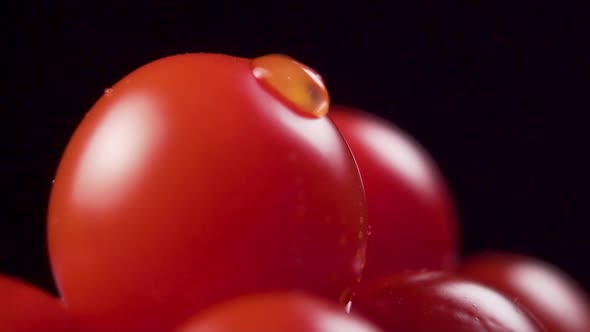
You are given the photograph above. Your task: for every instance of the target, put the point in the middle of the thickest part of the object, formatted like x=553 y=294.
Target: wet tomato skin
x=188 y=183
x=412 y=215
x=25 y=308
x=426 y=301
x=546 y=292
x=285 y=312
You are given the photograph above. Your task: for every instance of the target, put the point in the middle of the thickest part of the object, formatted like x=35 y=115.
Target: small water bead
x=293 y=82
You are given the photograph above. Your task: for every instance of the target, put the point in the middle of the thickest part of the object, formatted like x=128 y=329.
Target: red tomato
x=436 y=301
x=278 y=312
x=25 y=308
x=557 y=302
x=411 y=214
x=201 y=177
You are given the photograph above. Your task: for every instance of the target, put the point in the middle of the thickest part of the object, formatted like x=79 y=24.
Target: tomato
x=25 y=308
x=201 y=177
x=546 y=292
x=285 y=312
x=426 y=301
x=411 y=212
x=437 y=301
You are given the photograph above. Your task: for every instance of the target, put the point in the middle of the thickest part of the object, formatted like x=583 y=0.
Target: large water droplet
x=292 y=82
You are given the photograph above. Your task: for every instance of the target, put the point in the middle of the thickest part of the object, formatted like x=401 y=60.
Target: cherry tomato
x=284 y=312
x=436 y=301
x=411 y=214
x=551 y=296
x=25 y=308
x=201 y=177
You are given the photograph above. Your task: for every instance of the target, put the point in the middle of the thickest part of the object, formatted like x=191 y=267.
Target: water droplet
x=369 y=230
x=293 y=82
x=108 y=92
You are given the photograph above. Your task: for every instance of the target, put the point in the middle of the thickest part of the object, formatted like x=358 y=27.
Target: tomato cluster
x=210 y=193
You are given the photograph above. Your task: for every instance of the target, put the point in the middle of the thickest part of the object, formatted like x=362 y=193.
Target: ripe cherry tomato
x=411 y=214
x=284 y=312
x=437 y=301
x=547 y=293
x=25 y=308
x=201 y=177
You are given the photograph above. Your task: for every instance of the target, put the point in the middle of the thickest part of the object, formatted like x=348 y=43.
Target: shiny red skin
x=438 y=302
x=412 y=215
x=25 y=308
x=278 y=312
x=189 y=183
x=546 y=292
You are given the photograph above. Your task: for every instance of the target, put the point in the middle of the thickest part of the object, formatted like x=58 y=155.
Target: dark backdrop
x=496 y=93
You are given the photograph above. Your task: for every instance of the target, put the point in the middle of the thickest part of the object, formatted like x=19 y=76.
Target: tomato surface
x=197 y=178
x=284 y=312
x=546 y=292
x=437 y=301
x=25 y=308
x=411 y=212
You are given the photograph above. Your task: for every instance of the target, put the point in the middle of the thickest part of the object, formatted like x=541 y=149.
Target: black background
x=497 y=93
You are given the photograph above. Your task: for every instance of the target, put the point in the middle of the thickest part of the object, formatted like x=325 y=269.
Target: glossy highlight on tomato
x=25 y=308
x=284 y=312
x=192 y=181
x=546 y=292
x=413 y=218
x=424 y=301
